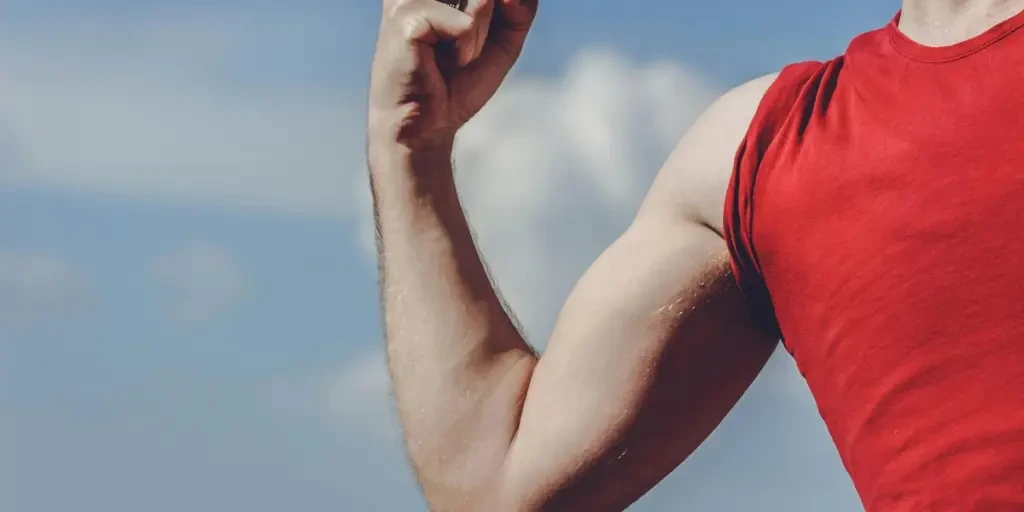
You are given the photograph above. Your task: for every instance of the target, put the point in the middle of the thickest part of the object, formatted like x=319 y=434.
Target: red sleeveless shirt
x=876 y=223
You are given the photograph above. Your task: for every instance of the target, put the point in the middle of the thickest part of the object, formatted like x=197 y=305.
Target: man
x=880 y=244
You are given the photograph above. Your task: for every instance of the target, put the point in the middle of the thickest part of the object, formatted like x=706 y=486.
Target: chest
x=888 y=215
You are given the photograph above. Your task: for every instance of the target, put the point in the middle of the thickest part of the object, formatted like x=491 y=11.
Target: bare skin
x=653 y=347
x=947 y=22
x=651 y=350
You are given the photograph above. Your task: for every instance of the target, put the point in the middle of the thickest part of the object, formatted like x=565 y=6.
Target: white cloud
x=354 y=396
x=149 y=110
x=551 y=169
x=200 y=280
x=360 y=395
x=38 y=286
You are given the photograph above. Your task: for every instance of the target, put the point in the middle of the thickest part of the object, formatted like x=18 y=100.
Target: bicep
x=650 y=353
x=655 y=344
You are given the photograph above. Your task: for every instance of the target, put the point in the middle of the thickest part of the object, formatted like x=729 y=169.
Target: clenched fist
x=435 y=66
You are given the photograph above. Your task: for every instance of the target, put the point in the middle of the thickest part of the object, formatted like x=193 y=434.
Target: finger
x=482 y=12
x=512 y=22
x=431 y=22
x=510 y=25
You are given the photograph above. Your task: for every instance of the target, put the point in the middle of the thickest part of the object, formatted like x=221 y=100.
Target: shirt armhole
x=775 y=107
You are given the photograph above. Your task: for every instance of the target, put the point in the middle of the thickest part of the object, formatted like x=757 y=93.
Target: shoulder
x=695 y=178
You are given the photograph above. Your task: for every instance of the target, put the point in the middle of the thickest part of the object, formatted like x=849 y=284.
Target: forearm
x=650 y=352
x=459 y=366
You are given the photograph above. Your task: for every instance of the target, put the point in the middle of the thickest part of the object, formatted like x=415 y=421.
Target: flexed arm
x=652 y=349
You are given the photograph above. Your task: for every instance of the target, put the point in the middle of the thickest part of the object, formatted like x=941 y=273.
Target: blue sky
x=188 y=314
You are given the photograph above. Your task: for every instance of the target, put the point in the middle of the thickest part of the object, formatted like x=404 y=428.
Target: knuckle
x=474 y=7
x=399 y=8
x=414 y=27
x=408 y=19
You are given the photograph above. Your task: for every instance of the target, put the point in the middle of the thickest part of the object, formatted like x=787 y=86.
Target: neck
x=946 y=22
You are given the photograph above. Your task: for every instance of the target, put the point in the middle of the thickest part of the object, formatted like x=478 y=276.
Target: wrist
x=422 y=169
x=385 y=154
x=388 y=141
x=392 y=133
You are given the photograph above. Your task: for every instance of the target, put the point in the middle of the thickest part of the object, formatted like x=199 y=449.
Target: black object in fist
x=456 y=4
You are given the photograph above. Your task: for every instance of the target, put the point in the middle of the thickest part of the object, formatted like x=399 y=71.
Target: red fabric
x=876 y=222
